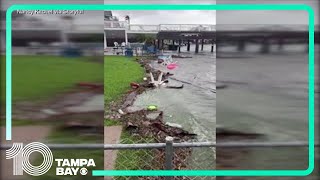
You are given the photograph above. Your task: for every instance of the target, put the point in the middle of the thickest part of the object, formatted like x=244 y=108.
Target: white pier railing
x=115 y=24
x=187 y=27
x=144 y=28
x=156 y=28
x=110 y=25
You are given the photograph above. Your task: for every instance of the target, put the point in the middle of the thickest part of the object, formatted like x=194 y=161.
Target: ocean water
x=193 y=107
x=266 y=94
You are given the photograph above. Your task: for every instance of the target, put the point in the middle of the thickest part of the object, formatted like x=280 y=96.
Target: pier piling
x=280 y=44
x=265 y=46
x=158 y=43
x=197 y=46
x=212 y=46
x=202 y=43
x=162 y=44
x=241 y=46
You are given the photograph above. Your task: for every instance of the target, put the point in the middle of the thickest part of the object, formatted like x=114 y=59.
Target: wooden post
x=212 y=46
x=202 y=42
x=188 y=47
x=280 y=44
x=241 y=46
x=265 y=46
x=162 y=43
x=179 y=48
x=197 y=46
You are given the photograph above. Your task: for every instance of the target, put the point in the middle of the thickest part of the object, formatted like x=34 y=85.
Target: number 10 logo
x=21 y=158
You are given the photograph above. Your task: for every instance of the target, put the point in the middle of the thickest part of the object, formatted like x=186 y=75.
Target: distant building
x=114 y=30
x=109 y=17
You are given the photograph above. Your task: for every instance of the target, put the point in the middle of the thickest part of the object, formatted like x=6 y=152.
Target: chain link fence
x=146 y=155
x=181 y=156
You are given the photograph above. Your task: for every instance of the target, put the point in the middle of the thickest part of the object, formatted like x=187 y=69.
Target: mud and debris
x=142 y=121
x=70 y=111
x=138 y=122
x=180 y=56
x=79 y=100
x=150 y=124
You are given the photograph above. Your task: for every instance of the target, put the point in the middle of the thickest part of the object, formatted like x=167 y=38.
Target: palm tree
x=68 y=20
x=147 y=39
x=127 y=18
x=67 y=25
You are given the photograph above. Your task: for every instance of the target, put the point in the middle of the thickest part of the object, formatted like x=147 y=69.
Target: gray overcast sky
x=186 y=17
x=154 y=17
x=267 y=17
x=168 y=17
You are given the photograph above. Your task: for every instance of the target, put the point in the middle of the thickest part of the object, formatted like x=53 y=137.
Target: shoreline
x=138 y=122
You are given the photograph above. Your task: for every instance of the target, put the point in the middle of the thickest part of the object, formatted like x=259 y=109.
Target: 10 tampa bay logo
x=64 y=167
x=73 y=166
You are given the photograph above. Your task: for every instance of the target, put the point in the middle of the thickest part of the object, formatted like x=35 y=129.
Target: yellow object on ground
x=152 y=108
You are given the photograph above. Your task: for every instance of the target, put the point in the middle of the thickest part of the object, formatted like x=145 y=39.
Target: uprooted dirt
x=83 y=97
x=138 y=122
x=71 y=110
